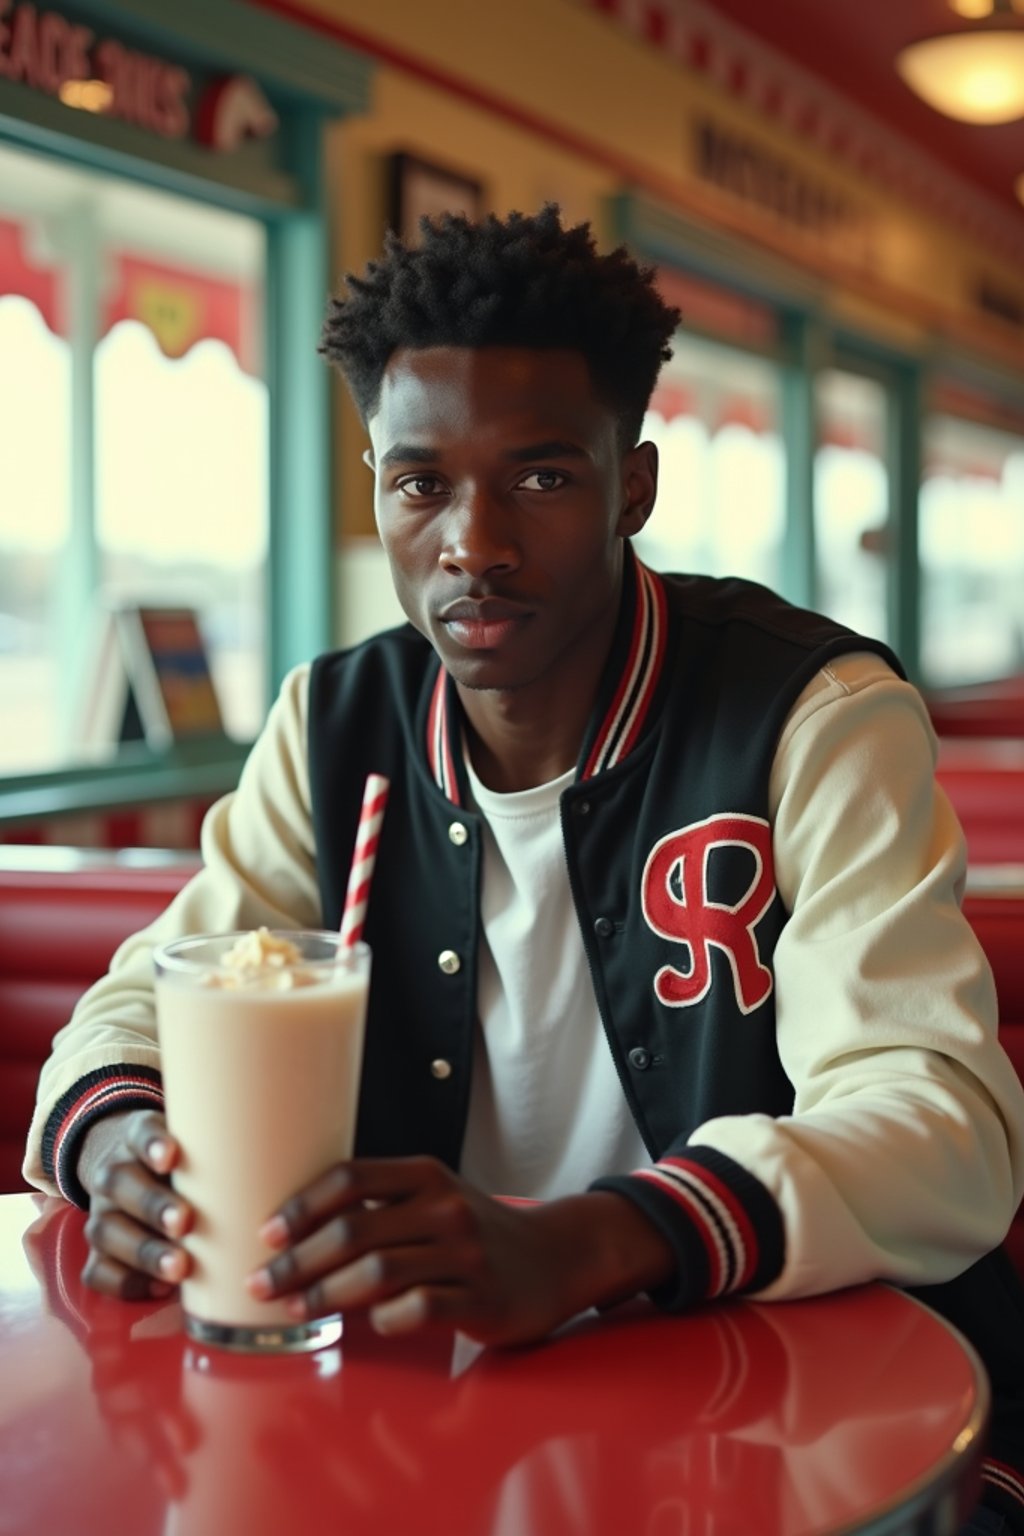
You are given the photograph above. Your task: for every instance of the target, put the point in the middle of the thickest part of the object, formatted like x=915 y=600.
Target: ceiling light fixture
x=975 y=75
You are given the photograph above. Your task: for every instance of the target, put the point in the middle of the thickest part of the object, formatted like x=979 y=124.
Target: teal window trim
x=198 y=770
x=799 y=432
x=662 y=235
x=300 y=570
x=903 y=379
x=905 y=454
x=318 y=80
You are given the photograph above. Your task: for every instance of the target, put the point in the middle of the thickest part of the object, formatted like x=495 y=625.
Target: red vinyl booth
x=985 y=782
x=985 y=709
x=60 y=923
x=63 y=915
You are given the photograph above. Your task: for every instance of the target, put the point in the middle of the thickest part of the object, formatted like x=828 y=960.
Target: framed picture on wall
x=420 y=188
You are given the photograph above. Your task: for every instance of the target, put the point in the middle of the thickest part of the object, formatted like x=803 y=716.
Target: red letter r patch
x=674 y=892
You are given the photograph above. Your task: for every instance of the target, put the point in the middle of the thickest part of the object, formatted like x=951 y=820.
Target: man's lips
x=482 y=624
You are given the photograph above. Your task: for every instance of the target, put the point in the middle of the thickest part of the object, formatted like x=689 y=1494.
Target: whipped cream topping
x=263 y=961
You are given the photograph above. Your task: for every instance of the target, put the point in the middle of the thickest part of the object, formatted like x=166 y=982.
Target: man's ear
x=367 y=457
x=640 y=488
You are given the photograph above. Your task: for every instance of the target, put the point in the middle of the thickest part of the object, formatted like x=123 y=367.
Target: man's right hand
x=134 y=1215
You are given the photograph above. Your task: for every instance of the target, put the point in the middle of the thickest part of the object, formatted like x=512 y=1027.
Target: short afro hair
x=521 y=281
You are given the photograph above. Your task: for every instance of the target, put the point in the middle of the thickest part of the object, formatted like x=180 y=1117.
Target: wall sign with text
x=47 y=52
x=738 y=163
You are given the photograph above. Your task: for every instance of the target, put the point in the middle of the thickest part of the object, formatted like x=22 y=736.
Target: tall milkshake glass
x=261 y=1061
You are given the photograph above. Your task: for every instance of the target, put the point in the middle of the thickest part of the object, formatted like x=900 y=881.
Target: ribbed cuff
x=724 y=1228
x=107 y=1091
x=1003 y=1490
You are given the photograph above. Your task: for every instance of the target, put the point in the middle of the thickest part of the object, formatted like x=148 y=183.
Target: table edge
x=916 y=1505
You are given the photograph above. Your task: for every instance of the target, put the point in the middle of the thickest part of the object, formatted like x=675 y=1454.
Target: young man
x=665 y=914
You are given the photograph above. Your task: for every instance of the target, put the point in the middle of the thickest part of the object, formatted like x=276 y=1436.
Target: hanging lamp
x=976 y=74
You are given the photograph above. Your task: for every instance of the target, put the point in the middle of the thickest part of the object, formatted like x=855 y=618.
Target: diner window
x=35 y=410
x=851 y=500
x=971 y=535
x=135 y=461
x=721 y=488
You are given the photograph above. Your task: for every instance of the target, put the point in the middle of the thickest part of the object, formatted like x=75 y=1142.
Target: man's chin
x=478 y=687
x=487 y=671
x=479 y=677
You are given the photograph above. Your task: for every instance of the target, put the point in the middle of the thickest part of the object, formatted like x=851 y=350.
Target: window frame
x=901 y=377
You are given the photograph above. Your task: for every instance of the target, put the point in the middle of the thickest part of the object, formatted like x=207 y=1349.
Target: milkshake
x=261 y=1042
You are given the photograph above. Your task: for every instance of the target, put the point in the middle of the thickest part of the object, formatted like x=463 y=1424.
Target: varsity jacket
x=669 y=844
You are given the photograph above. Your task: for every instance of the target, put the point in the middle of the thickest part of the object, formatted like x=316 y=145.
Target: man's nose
x=480 y=536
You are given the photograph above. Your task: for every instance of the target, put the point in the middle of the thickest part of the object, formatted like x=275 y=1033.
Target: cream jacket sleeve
x=258 y=868
x=904 y=1155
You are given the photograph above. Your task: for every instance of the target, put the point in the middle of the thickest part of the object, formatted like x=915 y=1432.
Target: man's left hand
x=415 y=1244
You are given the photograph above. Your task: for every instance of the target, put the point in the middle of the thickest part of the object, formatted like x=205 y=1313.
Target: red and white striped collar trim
x=638 y=681
x=439 y=750
x=624 y=719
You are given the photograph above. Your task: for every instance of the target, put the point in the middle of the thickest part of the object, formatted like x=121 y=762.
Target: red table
x=855 y=1412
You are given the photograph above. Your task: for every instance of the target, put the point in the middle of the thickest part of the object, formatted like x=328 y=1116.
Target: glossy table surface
x=855 y=1412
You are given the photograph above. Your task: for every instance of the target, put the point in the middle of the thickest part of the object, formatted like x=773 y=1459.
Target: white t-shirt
x=547 y=1115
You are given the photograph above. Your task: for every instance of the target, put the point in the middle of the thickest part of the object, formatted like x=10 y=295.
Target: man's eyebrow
x=551 y=448
x=408 y=453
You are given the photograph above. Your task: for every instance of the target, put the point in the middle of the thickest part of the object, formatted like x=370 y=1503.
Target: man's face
x=502 y=499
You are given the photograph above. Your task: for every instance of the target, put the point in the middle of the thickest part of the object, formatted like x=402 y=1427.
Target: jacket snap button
x=457 y=834
x=583 y=807
x=441 y=1068
x=449 y=962
x=639 y=1058
x=604 y=927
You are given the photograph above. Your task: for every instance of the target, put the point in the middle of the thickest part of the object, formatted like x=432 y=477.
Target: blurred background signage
x=179 y=304
x=765 y=179
x=50 y=53
x=993 y=299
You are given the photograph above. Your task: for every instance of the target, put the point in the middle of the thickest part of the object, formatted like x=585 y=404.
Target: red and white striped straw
x=371 y=816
